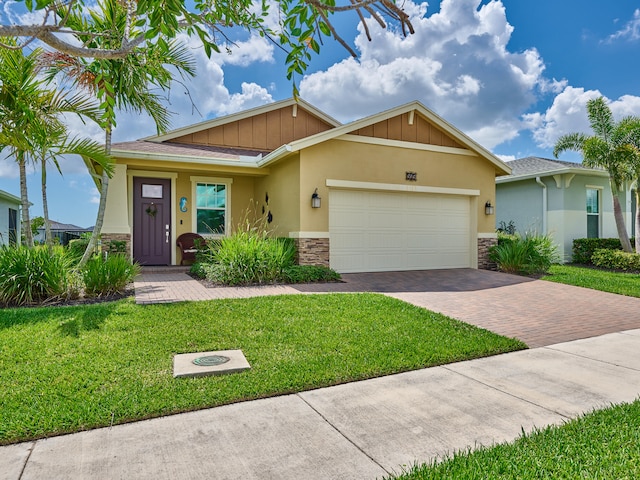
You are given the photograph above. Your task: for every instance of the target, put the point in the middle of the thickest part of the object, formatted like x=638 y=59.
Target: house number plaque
x=411 y=176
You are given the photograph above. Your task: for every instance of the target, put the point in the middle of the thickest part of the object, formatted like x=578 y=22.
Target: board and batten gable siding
x=265 y=132
x=401 y=128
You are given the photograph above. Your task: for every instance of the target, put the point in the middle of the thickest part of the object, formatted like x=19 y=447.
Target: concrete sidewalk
x=359 y=430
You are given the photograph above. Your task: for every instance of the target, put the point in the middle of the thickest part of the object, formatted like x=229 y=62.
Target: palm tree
x=30 y=122
x=608 y=148
x=120 y=84
x=631 y=126
x=52 y=142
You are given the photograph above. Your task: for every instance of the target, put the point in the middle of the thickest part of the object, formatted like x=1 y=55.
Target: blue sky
x=513 y=75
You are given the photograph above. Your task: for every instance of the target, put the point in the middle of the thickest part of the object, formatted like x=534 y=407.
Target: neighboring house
x=564 y=199
x=64 y=232
x=399 y=190
x=9 y=218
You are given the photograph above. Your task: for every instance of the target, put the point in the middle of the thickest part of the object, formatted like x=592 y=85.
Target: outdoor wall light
x=315 y=199
x=488 y=208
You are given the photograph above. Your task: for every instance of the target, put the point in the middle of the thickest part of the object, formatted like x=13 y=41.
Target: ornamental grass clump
x=106 y=276
x=530 y=254
x=249 y=257
x=34 y=275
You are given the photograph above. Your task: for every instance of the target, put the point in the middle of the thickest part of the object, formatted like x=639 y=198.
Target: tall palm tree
x=608 y=148
x=120 y=84
x=631 y=126
x=30 y=121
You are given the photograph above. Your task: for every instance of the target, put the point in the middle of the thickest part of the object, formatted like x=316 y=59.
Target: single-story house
x=64 y=232
x=9 y=218
x=399 y=190
x=564 y=199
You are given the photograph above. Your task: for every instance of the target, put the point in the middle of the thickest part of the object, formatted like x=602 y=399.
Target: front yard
x=606 y=281
x=64 y=369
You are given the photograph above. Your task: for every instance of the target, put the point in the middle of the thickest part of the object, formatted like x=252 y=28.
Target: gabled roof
x=160 y=147
x=531 y=167
x=234 y=117
x=394 y=112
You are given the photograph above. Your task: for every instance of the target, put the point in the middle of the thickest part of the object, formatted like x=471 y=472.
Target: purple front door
x=152 y=221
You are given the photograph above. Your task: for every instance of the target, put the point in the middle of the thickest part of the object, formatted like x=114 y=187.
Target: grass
x=602 y=444
x=606 y=281
x=66 y=369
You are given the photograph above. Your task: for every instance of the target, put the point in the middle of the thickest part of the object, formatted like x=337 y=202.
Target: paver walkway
x=535 y=311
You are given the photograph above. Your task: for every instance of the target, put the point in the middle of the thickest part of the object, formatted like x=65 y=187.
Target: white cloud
x=457 y=64
x=630 y=31
x=568 y=114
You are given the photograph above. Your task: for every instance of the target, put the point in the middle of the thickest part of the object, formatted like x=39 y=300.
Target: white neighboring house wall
x=8 y=202
x=522 y=199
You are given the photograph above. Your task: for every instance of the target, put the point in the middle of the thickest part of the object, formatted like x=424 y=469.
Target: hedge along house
x=399 y=190
x=563 y=199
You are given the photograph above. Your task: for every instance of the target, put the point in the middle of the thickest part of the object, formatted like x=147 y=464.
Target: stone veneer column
x=483 y=253
x=312 y=251
x=106 y=238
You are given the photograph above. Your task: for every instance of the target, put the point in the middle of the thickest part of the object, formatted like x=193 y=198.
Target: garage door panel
x=386 y=231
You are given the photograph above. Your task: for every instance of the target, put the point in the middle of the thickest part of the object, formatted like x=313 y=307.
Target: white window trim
x=600 y=190
x=227 y=211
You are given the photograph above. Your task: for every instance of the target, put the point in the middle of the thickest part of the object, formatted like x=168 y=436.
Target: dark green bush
x=34 y=275
x=616 y=260
x=308 y=274
x=528 y=255
x=105 y=276
x=583 y=248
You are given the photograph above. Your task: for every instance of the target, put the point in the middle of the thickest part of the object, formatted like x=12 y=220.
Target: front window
x=211 y=202
x=13 y=227
x=210 y=205
x=593 y=213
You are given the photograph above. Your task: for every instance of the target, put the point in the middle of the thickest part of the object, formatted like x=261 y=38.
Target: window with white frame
x=593 y=213
x=211 y=205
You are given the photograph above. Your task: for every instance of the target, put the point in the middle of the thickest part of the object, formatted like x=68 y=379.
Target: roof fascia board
x=404 y=144
x=549 y=173
x=234 y=117
x=253 y=163
x=9 y=197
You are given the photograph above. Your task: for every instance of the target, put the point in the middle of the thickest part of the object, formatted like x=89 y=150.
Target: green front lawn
x=64 y=369
x=601 y=445
x=606 y=281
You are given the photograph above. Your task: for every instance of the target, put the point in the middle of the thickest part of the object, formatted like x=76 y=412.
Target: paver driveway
x=535 y=311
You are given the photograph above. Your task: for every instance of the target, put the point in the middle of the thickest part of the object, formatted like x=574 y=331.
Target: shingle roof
x=67 y=227
x=180 y=149
x=532 y=166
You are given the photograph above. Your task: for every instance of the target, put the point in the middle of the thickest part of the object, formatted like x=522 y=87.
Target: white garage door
x=391 y=231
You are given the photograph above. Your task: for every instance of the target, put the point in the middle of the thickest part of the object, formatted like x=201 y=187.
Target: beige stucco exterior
x=319 y=154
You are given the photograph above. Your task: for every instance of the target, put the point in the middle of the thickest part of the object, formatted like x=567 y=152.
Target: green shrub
x=583 y=248
x=249 y=257
x=34 y=275
x=198 y=270
x=308 y=274
x=529 y=255
x=76 y=248
x=616 y=260
x=106 y=276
